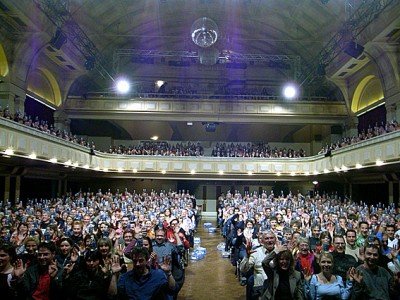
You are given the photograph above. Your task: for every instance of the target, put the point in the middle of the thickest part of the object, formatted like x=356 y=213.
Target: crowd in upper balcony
x=221 y=149
x=159 y=149
x=371 y=132
x=44 y=126
x=261 y=150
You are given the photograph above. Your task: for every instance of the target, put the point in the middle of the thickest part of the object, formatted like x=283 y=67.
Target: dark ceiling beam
x=57 y=12
x=367 y=12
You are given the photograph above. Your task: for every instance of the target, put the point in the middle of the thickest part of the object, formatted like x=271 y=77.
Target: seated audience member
x=166 y=250
x=351 y=246
x=42 y=280
x=142 y=282
x=343 y=261
x=372 y=281
x=306 y=260
x=7 y=257
x=283 y=281
x=326 y=285
x=254 y=259
x=88 y=280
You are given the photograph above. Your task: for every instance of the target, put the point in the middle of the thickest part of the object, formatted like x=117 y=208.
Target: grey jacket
x=272 y=283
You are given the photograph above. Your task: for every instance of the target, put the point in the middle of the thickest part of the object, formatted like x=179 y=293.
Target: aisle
x=214 y=276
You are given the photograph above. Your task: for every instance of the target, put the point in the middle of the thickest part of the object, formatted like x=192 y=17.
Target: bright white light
x=9 y=151
x=154 y=138
x=86 y=166
x=293 y=174
x=326 y=171
x=379 y=162
x=315 y=172
x=53 y=160
x=307 y=173
x=315 y=182
x=159 y=83
x=32 y=156
x=220 y=172
x=134 y=170
x=192 y=172
x=250 y=173
x=359 y=166
x=278 y=174
x=163 y=172
x=105 y=169
x=337 y=169
x=97 y=168
x=123 y=86
x=68 y=163
x=344 y=168
x=290 y=91
x=120 y=170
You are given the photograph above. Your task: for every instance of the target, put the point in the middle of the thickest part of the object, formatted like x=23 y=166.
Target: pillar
x=390 y=193
x=61 y=121
x=18 y=187
x=7 y=184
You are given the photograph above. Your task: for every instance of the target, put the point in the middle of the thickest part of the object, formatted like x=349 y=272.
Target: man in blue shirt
x=143 y=283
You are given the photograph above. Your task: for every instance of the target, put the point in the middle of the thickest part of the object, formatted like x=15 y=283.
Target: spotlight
x=122 y=86
x=290 y=91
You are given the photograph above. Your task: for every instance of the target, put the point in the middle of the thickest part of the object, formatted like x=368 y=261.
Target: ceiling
x=256 y=32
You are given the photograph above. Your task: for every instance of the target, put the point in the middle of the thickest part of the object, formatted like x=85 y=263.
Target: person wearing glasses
x=343 y=261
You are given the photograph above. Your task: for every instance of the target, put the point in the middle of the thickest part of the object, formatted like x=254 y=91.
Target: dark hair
x=351 y=230
x=49 y=246
x=10 y=250
x=285 y=254
x=93 y=255
x=140 y=251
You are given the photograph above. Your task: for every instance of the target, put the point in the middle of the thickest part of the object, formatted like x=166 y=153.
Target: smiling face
x=65 y=248
x=45 y=257
x=371 y=256
x=326 y=264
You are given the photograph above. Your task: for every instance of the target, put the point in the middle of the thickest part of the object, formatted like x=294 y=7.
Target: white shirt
x=255 y=260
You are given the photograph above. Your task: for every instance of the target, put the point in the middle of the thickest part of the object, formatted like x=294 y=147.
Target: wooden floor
x=212 y=277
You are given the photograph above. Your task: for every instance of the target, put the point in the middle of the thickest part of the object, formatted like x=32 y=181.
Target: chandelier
x=204 y=32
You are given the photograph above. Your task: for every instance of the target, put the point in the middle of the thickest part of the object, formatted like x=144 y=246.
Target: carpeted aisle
x=212 y=277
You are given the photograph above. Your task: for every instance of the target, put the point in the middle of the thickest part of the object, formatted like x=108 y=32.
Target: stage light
x=290 y=91
x=122 y=86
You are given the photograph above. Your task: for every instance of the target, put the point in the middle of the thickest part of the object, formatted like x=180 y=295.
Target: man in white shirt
x=254 y=258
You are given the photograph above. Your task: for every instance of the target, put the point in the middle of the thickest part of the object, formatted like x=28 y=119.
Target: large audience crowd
x=97 y=246
x=134 y=245
x=302 y=247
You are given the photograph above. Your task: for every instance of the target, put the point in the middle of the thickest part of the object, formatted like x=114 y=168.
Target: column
x=61 y=120
x=390 y=187
x=7 y=183
x=18 y=187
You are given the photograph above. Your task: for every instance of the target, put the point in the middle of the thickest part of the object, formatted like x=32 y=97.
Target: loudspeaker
x=353 y=49
x=58 y=39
